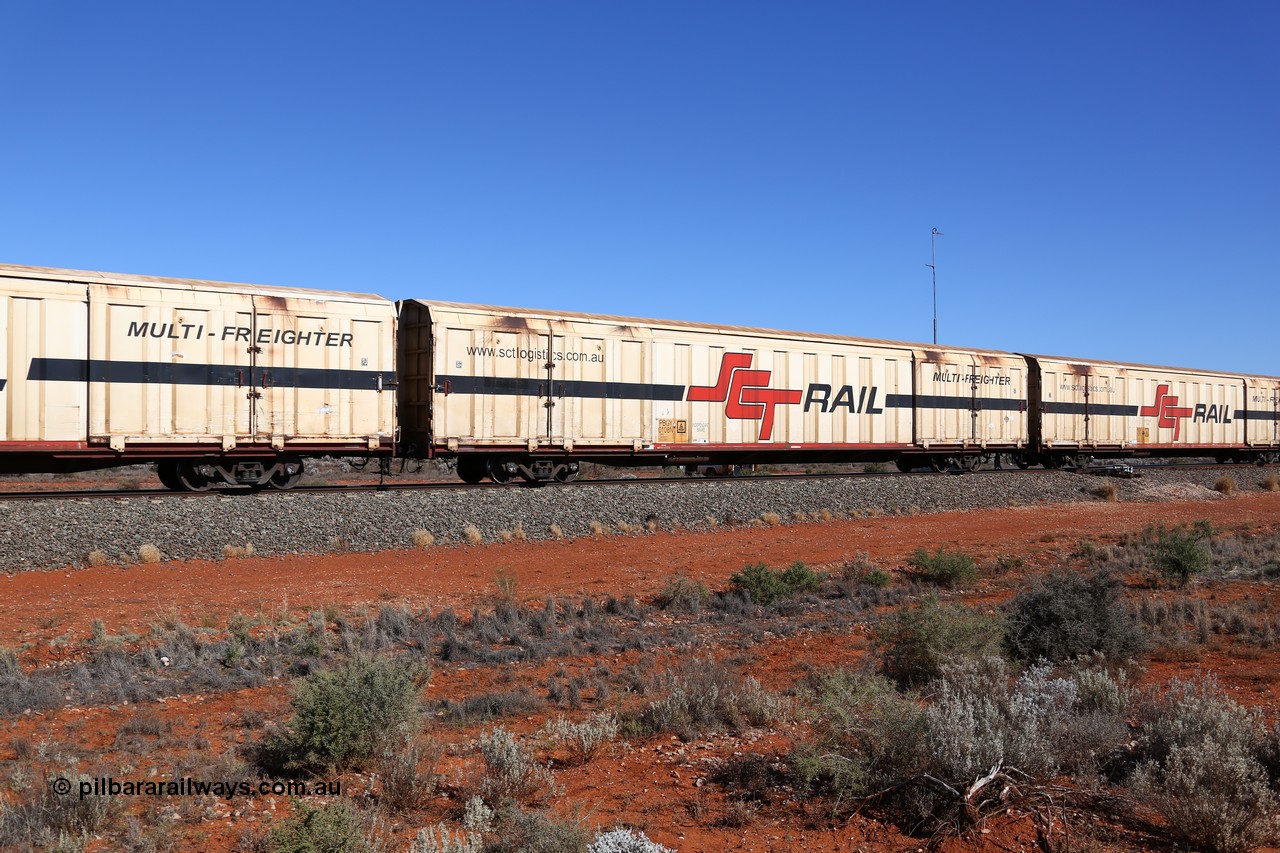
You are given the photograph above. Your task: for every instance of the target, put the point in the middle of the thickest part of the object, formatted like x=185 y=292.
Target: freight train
x=228 y=385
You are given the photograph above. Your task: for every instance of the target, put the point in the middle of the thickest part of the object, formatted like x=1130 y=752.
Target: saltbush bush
x=869 y=740
x=702 y=695
x=1067 y=615
x=625 y=841
x=511 y=774
x=1204 y=768
x=683 y=595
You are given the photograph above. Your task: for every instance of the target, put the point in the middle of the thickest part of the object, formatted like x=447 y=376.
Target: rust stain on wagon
x=271 y=303
x=507 y=321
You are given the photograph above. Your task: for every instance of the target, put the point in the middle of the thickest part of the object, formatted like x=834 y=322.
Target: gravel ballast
x=62 y=533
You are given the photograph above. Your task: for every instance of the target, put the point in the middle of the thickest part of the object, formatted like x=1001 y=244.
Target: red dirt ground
x=654 y=785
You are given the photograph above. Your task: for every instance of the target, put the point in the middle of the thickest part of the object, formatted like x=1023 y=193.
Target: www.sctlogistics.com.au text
x=108 y=786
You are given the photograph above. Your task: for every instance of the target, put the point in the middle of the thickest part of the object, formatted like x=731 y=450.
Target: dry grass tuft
x=234 y=552
x=506 y=535
x=710 y=520
x=1107 y=491
x=97 y=557
x=1272 y=483
x=556 y=532
x=771 y=518
x=149 y=553
x=800 y=516
x=825 y=514
x=626 y=528
x=1225 y=485
x=473 y=534
x=651 y=525
x=596 y=528
x=422 y=538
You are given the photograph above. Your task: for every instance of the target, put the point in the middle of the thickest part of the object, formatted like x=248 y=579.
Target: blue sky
x=1107 y=175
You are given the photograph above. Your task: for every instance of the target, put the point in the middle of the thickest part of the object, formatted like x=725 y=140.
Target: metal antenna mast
x=933 y=250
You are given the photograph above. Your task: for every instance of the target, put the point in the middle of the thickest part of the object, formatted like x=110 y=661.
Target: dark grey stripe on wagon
x=1099 y=409
x=516 y=387
x=926 y=401
x=160 y=373
x=1248 y=415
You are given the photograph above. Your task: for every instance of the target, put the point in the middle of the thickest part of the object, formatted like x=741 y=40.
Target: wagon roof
x=91 y=277
x=1090 y=362
x=548 y=314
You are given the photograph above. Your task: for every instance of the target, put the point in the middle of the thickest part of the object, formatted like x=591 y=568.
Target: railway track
x=391 y=485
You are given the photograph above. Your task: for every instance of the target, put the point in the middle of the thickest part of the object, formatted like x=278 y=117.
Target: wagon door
x=43 y=340
x=320 y=372
x=946 y=399
x=170 y=366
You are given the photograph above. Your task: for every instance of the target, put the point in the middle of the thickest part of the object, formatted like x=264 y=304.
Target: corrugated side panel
x=183 y=365
x=1262 y=395
x=970 y=398
x=39 y=321
x=1111 y=405
x=615 y=385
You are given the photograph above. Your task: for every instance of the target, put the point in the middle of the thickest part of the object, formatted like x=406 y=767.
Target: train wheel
x=969 y=462
x=905 y=464
x=499 y=471
x=288 y=475
x=472 y=469
x=1020 y=460
x=939 y=463
x=191 y=480
x=167 y=471
x=566 y=474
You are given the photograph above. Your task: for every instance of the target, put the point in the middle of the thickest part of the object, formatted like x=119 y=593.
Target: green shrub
x=1180 y=552
x=943 y=567
x=343 y=717
x=1204 y=768
x=799 y=578
x=1067 y=615
x=330 y=828
x=765 y=587
x=915 y=642
x=865 y=736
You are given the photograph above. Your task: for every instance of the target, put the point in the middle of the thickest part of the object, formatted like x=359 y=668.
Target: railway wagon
x=514 y=392
x=1085 y=408
x=217 y=383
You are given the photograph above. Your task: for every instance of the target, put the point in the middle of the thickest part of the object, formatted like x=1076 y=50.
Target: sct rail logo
x=1168 y=411
x=745 y=392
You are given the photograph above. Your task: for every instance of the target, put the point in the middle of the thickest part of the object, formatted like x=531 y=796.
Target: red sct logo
x=1168 y=411
x=745 y=392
